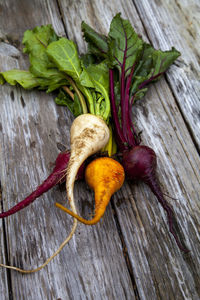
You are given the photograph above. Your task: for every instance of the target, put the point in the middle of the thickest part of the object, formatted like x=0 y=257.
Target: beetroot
x=139 y=161
x=131 y=70
x=58 y=175
x=140 y=164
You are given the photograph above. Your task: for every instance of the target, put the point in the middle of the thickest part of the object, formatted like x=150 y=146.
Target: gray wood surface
x=169 y=23
x=130 y=254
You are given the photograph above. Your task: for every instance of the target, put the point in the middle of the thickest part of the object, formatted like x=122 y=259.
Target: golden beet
x=105 y=176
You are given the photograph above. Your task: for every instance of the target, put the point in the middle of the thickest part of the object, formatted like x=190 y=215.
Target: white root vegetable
x=89 y=134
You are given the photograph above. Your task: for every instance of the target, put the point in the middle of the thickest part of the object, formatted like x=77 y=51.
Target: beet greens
x=133 y=65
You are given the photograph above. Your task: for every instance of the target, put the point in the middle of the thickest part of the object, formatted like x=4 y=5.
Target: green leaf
x=77 y=108
x=28 y=81
x=2 y=80
x=88 y=59
x=125 y=46
x=25 y=78
x=85 y=79
x=152 y=64
x=74 y=106
x=65 y=56
x=140 y=94
x=97 y=43
x=100 y=78
x=163 y=59
x=52 y=84
x=36 y=42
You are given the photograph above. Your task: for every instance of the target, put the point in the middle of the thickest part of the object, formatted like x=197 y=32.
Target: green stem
x=68 y=91
x=98 y=105
x=106 y=113
x=107 y=110
x=89 y=98
x=79 y=94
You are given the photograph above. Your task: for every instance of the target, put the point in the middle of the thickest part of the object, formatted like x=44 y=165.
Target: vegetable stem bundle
x=133 y=64
x=100 y=88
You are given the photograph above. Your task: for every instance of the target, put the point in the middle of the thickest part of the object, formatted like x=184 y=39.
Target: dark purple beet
x=140 y=164
x=58 y=175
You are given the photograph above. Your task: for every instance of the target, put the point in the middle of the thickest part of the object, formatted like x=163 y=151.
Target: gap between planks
x=8 y=271
x=182 y=115
x=125 y=252
x=61 y=17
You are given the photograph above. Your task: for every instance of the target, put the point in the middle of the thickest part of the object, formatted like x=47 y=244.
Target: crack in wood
x=61 y=17
x=125 y=253
x=8 y=273
x=192 y=135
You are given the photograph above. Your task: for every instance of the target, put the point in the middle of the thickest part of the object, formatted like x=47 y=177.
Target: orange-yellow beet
x=105 y=176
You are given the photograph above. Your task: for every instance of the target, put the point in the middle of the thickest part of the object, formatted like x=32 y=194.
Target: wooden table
x=130 y=254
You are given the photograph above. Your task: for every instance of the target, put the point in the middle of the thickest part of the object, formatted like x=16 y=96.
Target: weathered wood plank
x=178 y=180
x=176 y=23
x=160 y=270
x=92 y=266
x=141 y=223
x=4 y=290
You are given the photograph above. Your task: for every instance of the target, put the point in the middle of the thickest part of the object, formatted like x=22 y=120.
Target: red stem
x=155 y=187
x=126 y=122
x=57 y=176
x=137 y=138
x=149 y=80
x=123 y=88
x=120 y=139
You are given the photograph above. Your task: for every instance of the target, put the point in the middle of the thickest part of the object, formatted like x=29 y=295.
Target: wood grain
x=176 y=23
x=32 y=130
x=143 y=223
x=130 y=254
x=4 y=289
